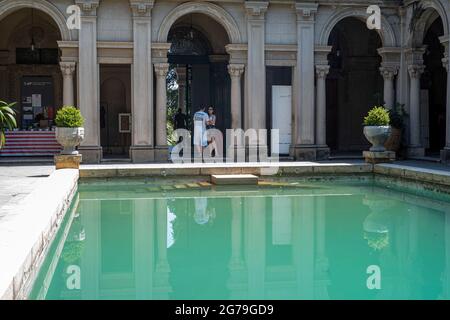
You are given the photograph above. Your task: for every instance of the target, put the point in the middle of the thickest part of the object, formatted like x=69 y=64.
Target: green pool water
x=298 y=240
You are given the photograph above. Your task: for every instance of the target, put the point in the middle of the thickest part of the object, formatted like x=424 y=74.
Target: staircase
x=30 y=143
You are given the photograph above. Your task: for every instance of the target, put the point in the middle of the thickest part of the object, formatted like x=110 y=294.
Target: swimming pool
x=288 y=239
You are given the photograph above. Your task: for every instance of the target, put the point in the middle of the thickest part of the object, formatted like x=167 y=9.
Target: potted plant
x=397 y=117
x=376 y=128
x=7 y=120
x=69 y=130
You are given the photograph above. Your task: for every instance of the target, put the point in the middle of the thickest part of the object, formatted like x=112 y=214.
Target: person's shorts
x=200 y=138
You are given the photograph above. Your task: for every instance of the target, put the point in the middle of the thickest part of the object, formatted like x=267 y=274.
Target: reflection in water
x=281 y=246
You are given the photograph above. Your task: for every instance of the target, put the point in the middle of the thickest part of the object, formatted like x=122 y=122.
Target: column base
x=91 y=154
x=310 y=152
x=445 y=156
x=162 y=153
x=415 y=152
x=142 y=154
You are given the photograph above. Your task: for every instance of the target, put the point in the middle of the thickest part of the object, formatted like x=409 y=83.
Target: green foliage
x=72 y=251
x=172 y=104
x=69 y=117
x=7 y=120
x=377 y=116
x=397 y=116
x=377 y=241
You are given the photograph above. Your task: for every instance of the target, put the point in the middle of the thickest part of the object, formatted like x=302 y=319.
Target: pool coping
x=25 y=239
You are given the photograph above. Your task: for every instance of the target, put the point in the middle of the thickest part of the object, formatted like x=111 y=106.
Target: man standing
x=200 y=139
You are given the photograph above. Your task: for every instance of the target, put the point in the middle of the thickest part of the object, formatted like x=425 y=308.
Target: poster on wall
x=37 y=97
x=36 y=100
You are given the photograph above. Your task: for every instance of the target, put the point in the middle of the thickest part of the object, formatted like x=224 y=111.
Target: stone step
x=234 y=179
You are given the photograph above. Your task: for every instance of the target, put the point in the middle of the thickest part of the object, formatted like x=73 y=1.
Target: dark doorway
x=434 y=80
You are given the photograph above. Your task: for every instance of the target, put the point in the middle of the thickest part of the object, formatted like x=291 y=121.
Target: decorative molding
x=389 y=72
x=415 y=55
x=67 y=68
x=236 y=70
x=416 y=70
x=322 y=71
x=141 y=8
x=88 y=7
x=321 y=54
x=306 y=11
x=161 y=69
x=256 y=9
x=159 y=52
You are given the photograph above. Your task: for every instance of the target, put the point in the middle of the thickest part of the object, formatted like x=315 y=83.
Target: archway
x=433 y=85
x=198 y=75
x=354 y=84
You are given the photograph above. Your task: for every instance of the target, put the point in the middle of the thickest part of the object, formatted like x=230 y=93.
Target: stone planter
x=377 y=136
x=394 y=141
x=69 y=138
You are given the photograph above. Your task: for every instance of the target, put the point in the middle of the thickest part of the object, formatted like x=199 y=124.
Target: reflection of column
x=67 y=69
x=90 y=260
x=142 y=109
x=446 y=283
x=88 y=81
x=303 y=246
x=321 y=260
x=161 y=70
x=388 y=74
x=143 y=216
x=304 y=137
x=415 y=71
x=161 y=284
x=321 y=95
x=445 y=154
x=255 y=251
x=235 y=71
x=256 y=68
x=181 y=81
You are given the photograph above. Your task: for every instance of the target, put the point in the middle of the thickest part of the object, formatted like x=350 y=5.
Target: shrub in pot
x=69 y=129
x=376 y=128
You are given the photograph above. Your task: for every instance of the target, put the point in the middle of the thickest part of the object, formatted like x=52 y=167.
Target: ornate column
x=67 y=69
x=256 y=68
x=445 y=153
x=389 y=69
x=161 y=149
x=415 y=69
x=389 y=74
x=305 y=148
x=235 y=71
x=321 y=109
x=181 y=80
x=88 y=81
x=142 y=74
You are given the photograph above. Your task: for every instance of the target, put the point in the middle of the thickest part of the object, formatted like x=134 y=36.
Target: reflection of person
x=200 y=122
x=200 y=215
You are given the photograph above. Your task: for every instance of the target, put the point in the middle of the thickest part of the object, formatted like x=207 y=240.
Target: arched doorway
x=354 y=84
x=434 y=87
x=198 y=74
x=30 y=75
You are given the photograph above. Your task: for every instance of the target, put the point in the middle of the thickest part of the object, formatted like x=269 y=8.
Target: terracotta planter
x=69 y=138
x=394 y=141
x=377 y=136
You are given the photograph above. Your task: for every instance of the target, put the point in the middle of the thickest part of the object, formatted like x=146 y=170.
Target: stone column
x=181 y=80
x=256 y=68
x=415 y=143
x=67 y=69
x=445 y=153
x=161 y=150
x=88 y=81
x=305 y=148
x=389 y=74
x=235 y=71
x=321 y=110
x=142 y=74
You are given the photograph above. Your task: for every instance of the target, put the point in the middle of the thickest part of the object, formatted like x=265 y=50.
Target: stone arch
x=9 y=6
x=212 y=10
x=386 y=33
x=433 y=9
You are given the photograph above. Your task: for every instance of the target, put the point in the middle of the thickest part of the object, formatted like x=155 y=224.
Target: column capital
x=256 y=9
x=141 y=8
x=388 y=72
x=322 y=71
x=306 y=12
x=416 y=70
x=236 y=70
x=161 y=69
x=88 y=7
x=67 y=68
